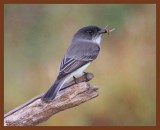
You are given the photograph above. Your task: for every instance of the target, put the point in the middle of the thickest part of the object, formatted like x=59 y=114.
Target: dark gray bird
x=84 y=48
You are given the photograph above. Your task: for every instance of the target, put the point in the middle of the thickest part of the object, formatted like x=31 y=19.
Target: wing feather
x=78 y=54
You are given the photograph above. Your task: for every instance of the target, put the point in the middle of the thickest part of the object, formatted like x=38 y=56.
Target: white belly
x=77 y=73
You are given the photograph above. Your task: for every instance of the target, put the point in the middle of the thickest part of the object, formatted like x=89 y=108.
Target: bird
x=84 y=48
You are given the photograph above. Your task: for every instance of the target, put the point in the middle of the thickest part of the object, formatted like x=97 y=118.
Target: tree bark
x=37 y=111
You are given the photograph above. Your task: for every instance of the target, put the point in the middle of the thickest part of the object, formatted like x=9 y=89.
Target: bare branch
x=38 y=111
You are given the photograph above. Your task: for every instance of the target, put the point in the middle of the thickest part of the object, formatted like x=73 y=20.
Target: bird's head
x=92 y=33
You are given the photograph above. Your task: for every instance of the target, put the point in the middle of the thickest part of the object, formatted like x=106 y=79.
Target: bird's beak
x=106 y=30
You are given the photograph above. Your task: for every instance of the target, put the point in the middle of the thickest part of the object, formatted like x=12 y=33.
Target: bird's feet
x=75 y=80
x=85 y=74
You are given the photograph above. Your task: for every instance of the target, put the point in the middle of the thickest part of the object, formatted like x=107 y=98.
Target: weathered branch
x=37 y=111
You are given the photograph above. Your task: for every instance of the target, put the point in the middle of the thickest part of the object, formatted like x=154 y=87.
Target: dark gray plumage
x=75 y=57
x=84 y=49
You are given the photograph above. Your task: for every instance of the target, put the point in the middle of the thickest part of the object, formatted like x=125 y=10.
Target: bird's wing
x=78 y=54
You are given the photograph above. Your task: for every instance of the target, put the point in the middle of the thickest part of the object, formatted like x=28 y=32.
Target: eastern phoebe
x=84 y=48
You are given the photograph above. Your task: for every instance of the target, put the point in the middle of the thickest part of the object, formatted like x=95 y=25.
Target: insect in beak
x=107 y=30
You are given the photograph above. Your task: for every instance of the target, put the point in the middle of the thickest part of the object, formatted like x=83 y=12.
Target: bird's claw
x=75 y=80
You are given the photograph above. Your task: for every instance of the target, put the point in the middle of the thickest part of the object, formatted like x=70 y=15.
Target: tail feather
x=52 y=92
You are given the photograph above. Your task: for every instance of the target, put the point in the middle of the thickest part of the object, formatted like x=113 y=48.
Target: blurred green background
x=37 y=36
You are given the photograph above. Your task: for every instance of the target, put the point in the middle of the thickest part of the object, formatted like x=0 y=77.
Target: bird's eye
x=90 y=32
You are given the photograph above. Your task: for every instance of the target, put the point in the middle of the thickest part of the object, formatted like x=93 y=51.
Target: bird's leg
x=85 y=74
x=75 y=79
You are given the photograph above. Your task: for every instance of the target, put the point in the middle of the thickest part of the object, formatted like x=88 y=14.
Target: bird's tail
x=52 y=92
